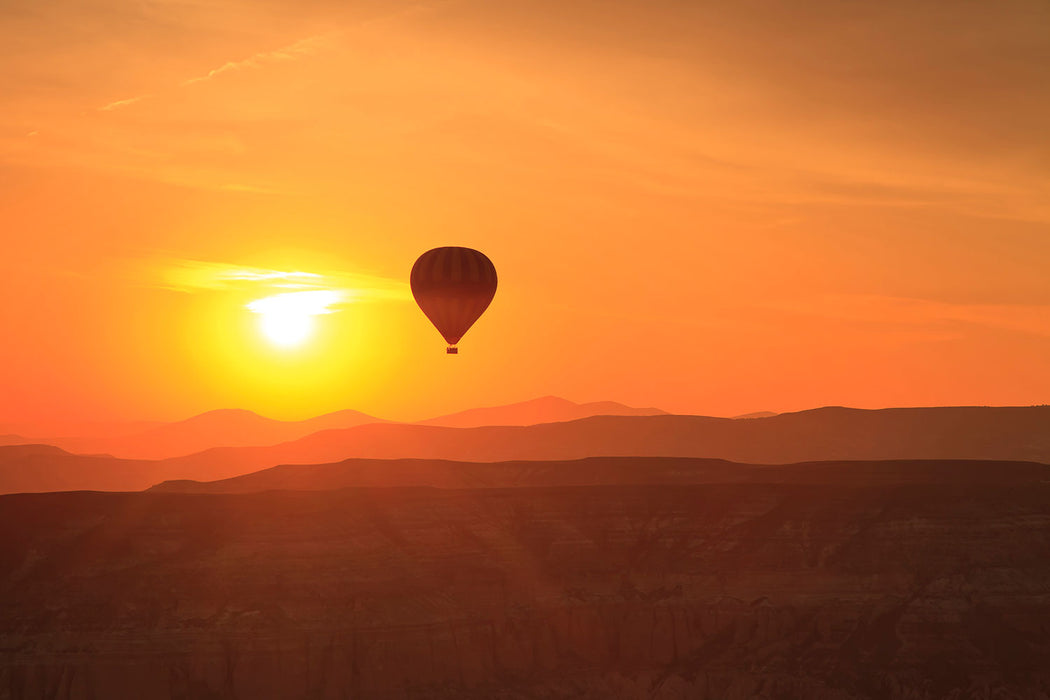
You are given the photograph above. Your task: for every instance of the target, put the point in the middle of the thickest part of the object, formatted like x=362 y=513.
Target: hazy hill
x=547 y=409
x=999 y=433
x=730 y=591
x=36 y=432
x=596 y=471
x=757 y=414
x=225 y=427
x=35 y=468
x=14 y=440
x=38 y=468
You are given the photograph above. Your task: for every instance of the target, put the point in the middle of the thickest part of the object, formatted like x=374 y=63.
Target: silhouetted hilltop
x=998 y=433
x=547 y=409
x=596 y=471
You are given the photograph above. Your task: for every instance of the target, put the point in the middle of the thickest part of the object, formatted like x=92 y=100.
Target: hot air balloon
x=453 y=286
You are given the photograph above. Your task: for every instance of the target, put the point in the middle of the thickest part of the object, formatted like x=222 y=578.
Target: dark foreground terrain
x=915 y=588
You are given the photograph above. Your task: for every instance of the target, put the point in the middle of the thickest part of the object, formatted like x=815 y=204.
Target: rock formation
x=774 y=590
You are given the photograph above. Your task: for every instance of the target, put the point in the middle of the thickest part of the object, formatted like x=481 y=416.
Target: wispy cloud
x=340 y=287
x=298 y=49
x=295 y=50
x=121 y=103
x=313 y=302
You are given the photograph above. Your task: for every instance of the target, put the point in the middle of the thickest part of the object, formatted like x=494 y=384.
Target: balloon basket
x=452 y=351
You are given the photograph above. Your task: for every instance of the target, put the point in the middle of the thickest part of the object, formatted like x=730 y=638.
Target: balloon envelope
x=453 y=286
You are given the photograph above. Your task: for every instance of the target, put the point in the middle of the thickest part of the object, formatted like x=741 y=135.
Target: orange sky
x=711 y=207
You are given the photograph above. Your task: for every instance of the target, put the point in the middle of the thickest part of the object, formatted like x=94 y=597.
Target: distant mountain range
x=1001 y=433
x=94 y=429
x=241 y=428
x=227 y=427
x=826 y=434
x=548 y=409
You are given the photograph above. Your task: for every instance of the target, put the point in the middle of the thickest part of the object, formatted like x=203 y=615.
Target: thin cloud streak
x=197 y=276
x=293 y=51
x=121 y=103
x=314 y=302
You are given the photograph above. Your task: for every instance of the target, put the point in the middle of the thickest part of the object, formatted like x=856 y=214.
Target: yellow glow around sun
x=287 y=320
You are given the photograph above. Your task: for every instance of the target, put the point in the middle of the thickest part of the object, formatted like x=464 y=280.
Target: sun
x=287 y=320
x=287 y=329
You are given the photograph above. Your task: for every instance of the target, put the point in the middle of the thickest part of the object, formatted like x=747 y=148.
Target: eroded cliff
x=698 y=591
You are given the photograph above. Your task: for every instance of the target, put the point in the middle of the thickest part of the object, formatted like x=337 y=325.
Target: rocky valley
x=839 y=587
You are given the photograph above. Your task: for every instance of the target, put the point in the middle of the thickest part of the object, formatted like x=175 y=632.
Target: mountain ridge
x=832 y=433
x=826 y=434
x=545 y=409
x=238 y=427
x=599 y=471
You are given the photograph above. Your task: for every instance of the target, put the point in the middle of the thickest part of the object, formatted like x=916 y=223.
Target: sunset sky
x=709 y=207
